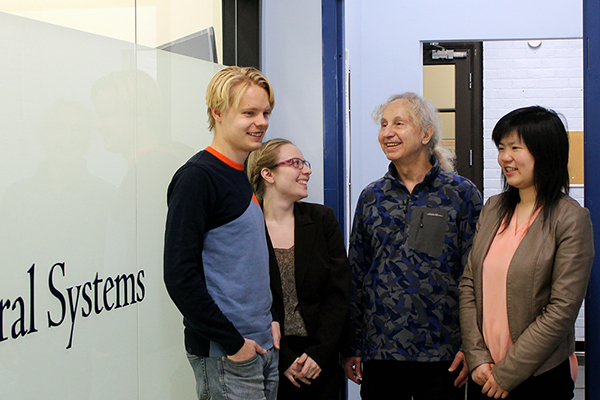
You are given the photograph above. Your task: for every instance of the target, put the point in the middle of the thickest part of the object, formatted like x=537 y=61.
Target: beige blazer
x=547 y=281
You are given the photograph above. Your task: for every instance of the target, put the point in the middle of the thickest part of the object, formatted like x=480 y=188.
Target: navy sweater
x=216 y=262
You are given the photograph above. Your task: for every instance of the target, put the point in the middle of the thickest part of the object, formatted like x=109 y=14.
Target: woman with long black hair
x=529 y=267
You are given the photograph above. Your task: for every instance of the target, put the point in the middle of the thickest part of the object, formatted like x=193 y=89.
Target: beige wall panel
x=174 y=19
x=576 y=157
x=438 y=85
x=114 y=19
x=447 y=125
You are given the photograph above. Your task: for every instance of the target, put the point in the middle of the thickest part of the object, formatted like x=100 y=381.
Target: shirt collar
x=430 y=176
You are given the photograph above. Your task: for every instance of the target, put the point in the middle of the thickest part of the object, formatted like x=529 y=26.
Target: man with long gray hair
x=411 y=235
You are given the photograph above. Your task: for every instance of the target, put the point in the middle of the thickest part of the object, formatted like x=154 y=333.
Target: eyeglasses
x=297 y=163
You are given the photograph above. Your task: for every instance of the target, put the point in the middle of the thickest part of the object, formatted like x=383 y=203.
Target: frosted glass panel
x=61 y=249
x=164 y=370
x=92 y=129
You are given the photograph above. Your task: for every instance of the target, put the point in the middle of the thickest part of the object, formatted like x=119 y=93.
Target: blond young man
x=216 y=261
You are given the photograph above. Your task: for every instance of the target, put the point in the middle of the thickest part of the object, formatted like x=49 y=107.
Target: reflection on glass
x=129 y=109
x=86 y=157
x=62 y=193
x=59 y=215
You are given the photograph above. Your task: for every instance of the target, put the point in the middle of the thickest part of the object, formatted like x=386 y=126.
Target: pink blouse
x=495 y=270
x=494 y=274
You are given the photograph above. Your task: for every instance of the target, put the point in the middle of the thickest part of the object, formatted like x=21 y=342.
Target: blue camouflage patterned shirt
x=407 y=253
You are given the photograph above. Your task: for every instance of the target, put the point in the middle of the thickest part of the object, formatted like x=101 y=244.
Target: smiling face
x=516 y=162
x=400 y=137
x=240 y=130
x=285 y=181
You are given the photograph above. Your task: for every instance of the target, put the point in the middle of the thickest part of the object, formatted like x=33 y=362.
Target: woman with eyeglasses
x=309 y=273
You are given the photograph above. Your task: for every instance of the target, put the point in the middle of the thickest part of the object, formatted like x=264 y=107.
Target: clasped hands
x=302 y=369
x=482 y=375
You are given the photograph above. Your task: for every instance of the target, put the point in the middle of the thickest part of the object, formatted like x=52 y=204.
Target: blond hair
x=424 y=114
x=220 y=94
x=265 y=157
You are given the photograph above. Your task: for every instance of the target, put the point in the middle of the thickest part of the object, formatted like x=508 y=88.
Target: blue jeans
x=219 y=378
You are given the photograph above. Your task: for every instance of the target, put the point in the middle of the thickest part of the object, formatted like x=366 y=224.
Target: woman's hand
x=302 y=369
x=292 y=372
x=482 y=373
x=494 y=390
x=310 y=369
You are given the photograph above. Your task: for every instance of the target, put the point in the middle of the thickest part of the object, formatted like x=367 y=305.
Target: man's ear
x=267 y=175
x=217 y=114
x=428 y=134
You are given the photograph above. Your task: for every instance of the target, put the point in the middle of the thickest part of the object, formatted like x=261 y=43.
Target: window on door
x=453 y=81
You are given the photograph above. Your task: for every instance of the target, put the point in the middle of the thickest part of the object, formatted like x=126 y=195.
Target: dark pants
x=556 y=384
x=326 y=387
x=403 y=380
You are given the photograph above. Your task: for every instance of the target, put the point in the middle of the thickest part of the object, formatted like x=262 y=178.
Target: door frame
x=468 y=104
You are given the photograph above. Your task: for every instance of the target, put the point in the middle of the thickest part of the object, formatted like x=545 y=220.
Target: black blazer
x=322 y=283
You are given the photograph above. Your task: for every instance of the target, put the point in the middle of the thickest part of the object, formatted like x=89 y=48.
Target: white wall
x=292 y=60
x=384 y=41
x=516 y=75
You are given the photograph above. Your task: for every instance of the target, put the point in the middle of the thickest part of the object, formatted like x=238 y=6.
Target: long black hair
x=545 y=136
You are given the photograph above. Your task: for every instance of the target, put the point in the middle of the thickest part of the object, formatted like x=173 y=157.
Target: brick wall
x=516 y=75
